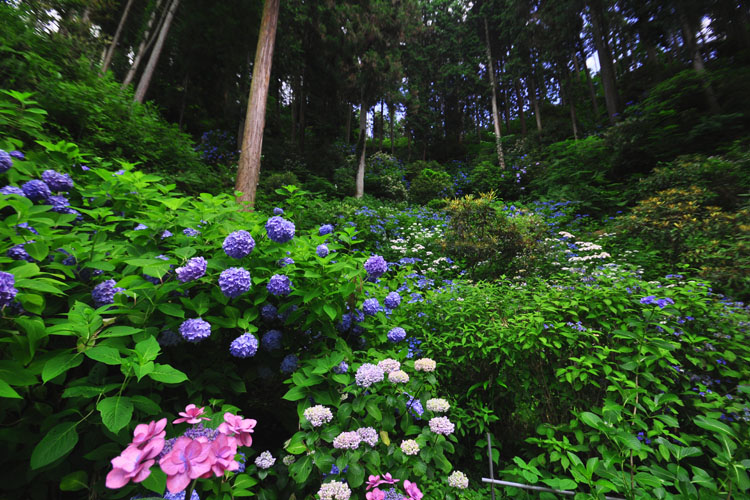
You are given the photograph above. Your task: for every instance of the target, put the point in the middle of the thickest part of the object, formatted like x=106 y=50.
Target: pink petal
x=117 y=478
x=177 y=483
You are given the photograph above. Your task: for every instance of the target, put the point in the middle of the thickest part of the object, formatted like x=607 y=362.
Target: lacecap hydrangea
x=279 y=229
x=195 y=330
x=238 y=244
x=244 y=346
x=234 y=281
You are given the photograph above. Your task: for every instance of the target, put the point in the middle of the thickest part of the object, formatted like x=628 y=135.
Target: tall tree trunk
x=248 y=170
x=116 y=38
x=698 y=64
x=495 y=114
x=348 y=123
x=153 y=60
x=391 y=116
x=568 y=95
x=506 y=108
x=361 y=146
x=146 y=42
x=589 y=81
x=295 y=108
x=534 y=102
x=382 y=124
x=521 y=105
x=609 y=82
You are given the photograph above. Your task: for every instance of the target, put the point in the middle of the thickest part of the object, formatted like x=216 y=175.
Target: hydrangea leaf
x=59 y=441
x=116 y=412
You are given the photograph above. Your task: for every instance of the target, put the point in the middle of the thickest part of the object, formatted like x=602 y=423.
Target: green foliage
x=429 y=185
x=384 y=177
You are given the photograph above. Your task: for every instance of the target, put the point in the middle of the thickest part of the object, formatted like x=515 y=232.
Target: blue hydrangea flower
x=325 y=229
x=396 y=334
x=279 y=285
x=192 y=270
x=168 y=338
x=371 y=307
x=279 y=229
x=376 y=266
x=392 y=300
x=392 y=494
x=322 y=251
x=195 y=330
x=244 y=346
x=269 y=312
x=18 y=252
x=662 y=303
x=25 y=225
x=140 y=227
x=238 y=244
x=341 y=368
x=166 y=234
x=189 y=231
x=414 y=406
x=278 y=211
x=18 y=155
x=180 y=495
x=59 y=204
x=12 y=190
x=271 y=340
x=104 y=293
x=36 y=190
x=7 y=288
x=57 y=181
x=5 y=161
x=234 y=282
x=286 y=261
x=289 y=363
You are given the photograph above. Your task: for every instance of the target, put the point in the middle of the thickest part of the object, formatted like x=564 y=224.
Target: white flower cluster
x=409 y=447
x=438 y=405
x=318 y=415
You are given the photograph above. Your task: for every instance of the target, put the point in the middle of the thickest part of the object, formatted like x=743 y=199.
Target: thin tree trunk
x=348 y=123
x=534 y=102
x=295 y=109
x=248 y=170
x=361 y=146
x=571 y=103
x=495 y=114
x=382 y=124
x=146 y=42
x=116 y=39
x=521 y=105
x=391 y=116
x=506 y=108
x=698 y=64
x=605 y=60
x=589 y=81
x=153 y=60
x=302 y=115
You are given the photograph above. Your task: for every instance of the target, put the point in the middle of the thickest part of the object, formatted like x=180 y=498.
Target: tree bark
x=609 y=81
x=521 y=105
x=248 y=170
x=495 y=114
x=382 y=124
x=571 y=103
x=143 y=46
x=116 y=38
x=506 y=108
x=534 y=102
x=698 y=64
x=589 y=81
x=348 y=123
x=361 y=146
x=153 y=60
x=391 y=115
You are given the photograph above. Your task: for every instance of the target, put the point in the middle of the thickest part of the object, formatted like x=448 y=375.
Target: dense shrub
x=430 y=185
x=384 y=177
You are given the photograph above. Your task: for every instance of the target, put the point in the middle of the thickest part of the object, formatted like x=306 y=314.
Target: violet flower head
x=347 y=441
x=278 y=211
x=442 y=425
x=244 y=346
x=268 y=312
x=286 y=261
x=271 y=340
x=194 y=268
x=322 y=251
x=265 y=460
x=18 y=155
x=238 y=244
x=36 y=190
x=289 y=363
x=318 y=415
x=189 y=231
x=12 y=190
x=195 y=330
x=5 y=161
x=166 y=234
x=371 y=307
x=59 y=204
x=392 y=300
x=234 y=282
x=368 y=374
x=18 y=252
x=7 y=288
x=389 y=365
x=57 y=181
x=279 y=229
x=279 y=285
x=376 y=266
x=140 y=227
x=368 y=435
x=104 y=293
x=325 y=229
x=396 y=334
x=341 y=368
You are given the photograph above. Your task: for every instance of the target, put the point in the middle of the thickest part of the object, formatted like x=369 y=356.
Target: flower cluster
x=57 y=181
x=397 y=334
x=341 y=368
x=322 y=251
x=244 y=346
x=189 y=231
x=458 y=479
x=398 y=377
x=441 y=425
x=234 y=282
x=135 y=462
x=104 y=293
x=271 y=340
x=438 y=405
x=335 y=490
x=425 y=365
x=368 y=374
x=392 y=300
x=371 y=307
x=7 y=289
x=409 y=447
x=195 y=330
x=36 y=190
x=347 y=441
x=318 y=415
x=289 y=363
x=265 y=460
x=238 y=244
x=279 y=285
x=5 y=161
x=662 y=303
x=411 y=489
x=194 y=269
x=325 y=229
x=376 y=266
x=389 y=365
x=368 y=435
x=279 y=229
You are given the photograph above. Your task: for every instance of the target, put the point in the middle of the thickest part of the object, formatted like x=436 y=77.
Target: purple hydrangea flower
x=238 y=244
x=7 y=288
x=104 y=293
x=265 y=460
x=59 y=204
x=192 y=270
x=234 y=282
x=279 y=285
x=189 y=231
x=286 y=261
x=347 y=441
x=662 y=303
x=289 y=363
x=195 y=330
x=279 y=229
x=376 y=266
x=140 y=227
x=396 y=334
x=18 y=252
x=57 y=181
x=166 y=234
x=12 y=190
x=341 y=368
x=322 y=251
x=269 y=312
x=5 y=161
x=25 y=225
x=371 y=307
x=85 y=168
x=368 y=374
x=392 y=300
x=325 y=229
x=36 y=190
x=244 y=346
x=168 y=338
x=168 y=495
x=278 y=211
x=414 y=406
x=18 y=155
x=271 y=340
x=119 y=172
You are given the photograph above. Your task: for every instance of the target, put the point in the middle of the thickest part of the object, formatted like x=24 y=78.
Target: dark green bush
x=429 y=185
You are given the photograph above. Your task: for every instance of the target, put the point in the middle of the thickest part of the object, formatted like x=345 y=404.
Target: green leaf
x=590 y=419
x=167 y=374
x=172 y=310
x=148 y=349
x=713 y=425
x=146 y=405
x=116 y=412
x=295 y=394
x=330 y=311
x=355 y=476
x=119 y=331
x=37 y=250
x=58 y=442
x=156 y=481
x=62 y=362
x=301 y=469
x=372 y=409
x=104 y=354
x=75 y=481
x=6 y=391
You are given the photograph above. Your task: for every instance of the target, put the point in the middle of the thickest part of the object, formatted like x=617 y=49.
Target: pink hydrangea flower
x=188 y=459
x=240 y=428
x=373 y=481
x=224 y=449
x=412 y=490
x=144 y=433
x=388 y=479
x=191 y=415
x=375 y=494
x=133 y=464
